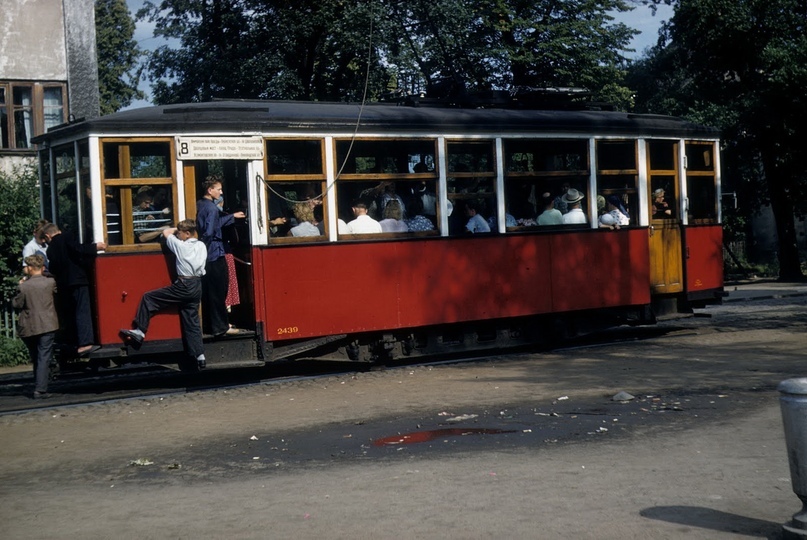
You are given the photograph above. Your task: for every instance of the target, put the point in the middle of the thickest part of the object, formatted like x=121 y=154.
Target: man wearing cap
x=575 y=215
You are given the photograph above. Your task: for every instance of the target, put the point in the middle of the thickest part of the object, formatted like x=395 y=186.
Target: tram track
x=149 y=381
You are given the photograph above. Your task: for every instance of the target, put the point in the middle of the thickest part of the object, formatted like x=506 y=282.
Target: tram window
x=66 y=190
x=471 y=184
x=137 y=160
x=416 y=199
x=663 y=155
x=283 y=198
x=152 y=212
x=112 y=216
x=139 y=198
x=45 y=185
x=294 y=157
x=471 y=157
x=538 y=166
x=616 y=155
x=385 y=157
x=617 y=176
x=538 y=155
x=701 y=185
x=700 y=157
x=662 y=193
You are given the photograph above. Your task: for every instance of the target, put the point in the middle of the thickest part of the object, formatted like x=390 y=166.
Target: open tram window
x=470 y=182
x=663 y=172
x=617 y=175
x=295 y=185
x=394 y=180
x=538 y=170
x=139 y=199
x=701 y=183
x=73 y=208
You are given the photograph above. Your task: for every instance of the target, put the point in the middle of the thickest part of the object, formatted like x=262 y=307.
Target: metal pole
x=793 y=401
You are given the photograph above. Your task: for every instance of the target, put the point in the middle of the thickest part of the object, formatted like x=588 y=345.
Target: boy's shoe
x=134 y=336
x=41 y=395
x=201 y=362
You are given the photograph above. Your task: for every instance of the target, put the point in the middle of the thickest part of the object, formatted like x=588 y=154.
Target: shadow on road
x=716 y=520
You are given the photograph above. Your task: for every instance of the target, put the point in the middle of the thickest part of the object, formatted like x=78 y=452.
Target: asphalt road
x=525 y=446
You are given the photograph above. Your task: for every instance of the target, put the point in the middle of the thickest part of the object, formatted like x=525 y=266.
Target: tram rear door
x=234 y=175
x=666 y=266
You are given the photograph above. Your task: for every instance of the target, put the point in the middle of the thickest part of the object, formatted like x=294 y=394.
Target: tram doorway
x=666 y=263
x=237 y=240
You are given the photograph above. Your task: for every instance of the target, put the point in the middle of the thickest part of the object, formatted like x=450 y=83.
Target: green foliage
x=19 y=212
x=266 y=49
x=13 y=352
x=740 y=65
x=320 y=49
x=118 y=55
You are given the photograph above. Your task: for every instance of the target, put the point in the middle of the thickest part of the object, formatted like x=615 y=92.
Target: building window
x=28 y=109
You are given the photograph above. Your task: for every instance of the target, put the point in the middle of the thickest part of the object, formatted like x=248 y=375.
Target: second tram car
x=373 y=297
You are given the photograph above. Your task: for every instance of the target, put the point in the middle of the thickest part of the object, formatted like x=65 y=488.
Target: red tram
x=373 y=297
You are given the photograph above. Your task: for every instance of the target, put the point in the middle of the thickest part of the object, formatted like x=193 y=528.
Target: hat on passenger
x=572 y=196
x=658 y=193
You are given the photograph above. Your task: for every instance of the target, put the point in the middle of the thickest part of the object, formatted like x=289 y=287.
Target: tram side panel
x=704 y=261
x=121 y=280
x=596 y=269
x=345 y=288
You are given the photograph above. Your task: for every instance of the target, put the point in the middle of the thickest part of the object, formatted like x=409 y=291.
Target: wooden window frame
x=125 y=183
x=37 y=109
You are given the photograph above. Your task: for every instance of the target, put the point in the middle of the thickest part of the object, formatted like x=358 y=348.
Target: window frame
x=125 y=183
x=553 y=175
x=631 y=192
x=37 y=108
x=380 y=177
x=302 y=178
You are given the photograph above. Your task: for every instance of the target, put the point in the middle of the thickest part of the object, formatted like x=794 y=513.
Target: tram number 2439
x=287 y=330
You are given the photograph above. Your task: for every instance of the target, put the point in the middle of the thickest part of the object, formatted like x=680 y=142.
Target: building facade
x=48 y=71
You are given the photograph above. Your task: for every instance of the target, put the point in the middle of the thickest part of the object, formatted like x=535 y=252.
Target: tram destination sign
x=248 y=148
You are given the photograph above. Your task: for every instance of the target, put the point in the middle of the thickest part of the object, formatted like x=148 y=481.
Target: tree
x=19 y=211
x=321 y=49
x=118 y=55
x=742 y=65
x=268 y=49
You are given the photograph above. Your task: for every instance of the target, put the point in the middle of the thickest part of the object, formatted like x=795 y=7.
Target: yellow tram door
x=666 y=260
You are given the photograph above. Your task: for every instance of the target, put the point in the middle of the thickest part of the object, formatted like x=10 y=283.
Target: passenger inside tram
x=362 y=222
x=417 y=222
x=550 y=215
x=574 y=202
x=661 y=208
x=304 y=215
x=616 y=215
x=393 y=218
x=476 y=222
x=149 y=221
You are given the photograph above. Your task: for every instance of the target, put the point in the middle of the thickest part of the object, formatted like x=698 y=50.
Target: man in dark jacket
x=68 y=262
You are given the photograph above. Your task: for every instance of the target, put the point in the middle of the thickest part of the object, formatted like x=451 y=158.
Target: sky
x=641 y=19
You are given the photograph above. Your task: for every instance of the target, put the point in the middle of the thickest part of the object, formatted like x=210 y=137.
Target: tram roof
x=251 y=117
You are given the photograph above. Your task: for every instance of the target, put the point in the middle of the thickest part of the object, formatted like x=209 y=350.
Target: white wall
x=32 y=40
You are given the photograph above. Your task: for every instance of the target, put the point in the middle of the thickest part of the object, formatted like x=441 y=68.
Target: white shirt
x=574 y=216
x=306 y=228
x=393 y=225
x=191 y=255
x=32 y=248
x=363 y=224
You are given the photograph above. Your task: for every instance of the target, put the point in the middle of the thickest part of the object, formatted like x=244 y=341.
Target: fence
x=8 y=323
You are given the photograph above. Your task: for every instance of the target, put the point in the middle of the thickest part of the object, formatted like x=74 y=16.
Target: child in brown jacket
x=37 y=322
